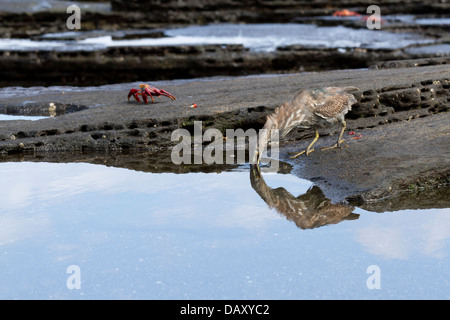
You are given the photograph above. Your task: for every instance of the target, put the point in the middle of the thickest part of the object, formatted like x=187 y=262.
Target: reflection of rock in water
x=308 y=211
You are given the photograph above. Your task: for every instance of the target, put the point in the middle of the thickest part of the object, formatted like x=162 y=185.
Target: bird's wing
x=333 y=104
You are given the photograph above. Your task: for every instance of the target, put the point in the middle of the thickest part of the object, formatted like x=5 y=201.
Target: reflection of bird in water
x=308 y=211
x=309 y=109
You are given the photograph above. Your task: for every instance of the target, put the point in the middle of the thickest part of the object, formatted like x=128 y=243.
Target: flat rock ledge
x=401 y=117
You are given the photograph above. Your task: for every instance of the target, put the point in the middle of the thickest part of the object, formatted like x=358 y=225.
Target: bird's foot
x=304 y=151
x=334 y=146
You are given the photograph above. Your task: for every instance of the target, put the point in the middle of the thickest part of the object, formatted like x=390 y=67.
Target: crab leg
x=161 y=92
x=156 y=92
x=145 y=94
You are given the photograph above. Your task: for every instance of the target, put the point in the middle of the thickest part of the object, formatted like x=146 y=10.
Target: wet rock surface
x=112 y=65
x=198 y=11
x=401 y=115
x=387 y=168
x=115 y=65
x=103 y=66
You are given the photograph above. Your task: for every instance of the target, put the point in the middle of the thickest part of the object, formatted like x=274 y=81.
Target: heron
x=309 y=109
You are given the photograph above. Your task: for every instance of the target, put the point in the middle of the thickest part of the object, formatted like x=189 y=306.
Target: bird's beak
x=262 y=142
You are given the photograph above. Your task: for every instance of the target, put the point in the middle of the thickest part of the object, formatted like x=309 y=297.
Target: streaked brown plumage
x=309 y=109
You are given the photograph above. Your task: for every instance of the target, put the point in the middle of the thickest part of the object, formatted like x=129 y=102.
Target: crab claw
x=135 y=93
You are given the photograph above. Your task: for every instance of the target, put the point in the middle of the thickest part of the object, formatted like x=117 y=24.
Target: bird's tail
x=355 y=93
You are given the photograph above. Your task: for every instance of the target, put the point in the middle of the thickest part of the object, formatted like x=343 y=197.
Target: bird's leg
x=339 y=141
x=308 y=150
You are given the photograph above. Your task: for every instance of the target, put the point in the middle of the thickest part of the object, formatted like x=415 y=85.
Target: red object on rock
x=345 y=13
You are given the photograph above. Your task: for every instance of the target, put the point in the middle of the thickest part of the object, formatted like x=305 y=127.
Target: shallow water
x=256 y=37
x=7 y=117
x=433 y=21
x=438 y=49
x=144 y=235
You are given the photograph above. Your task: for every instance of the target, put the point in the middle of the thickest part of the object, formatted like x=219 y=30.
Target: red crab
x=148 y=91
x=345 y=13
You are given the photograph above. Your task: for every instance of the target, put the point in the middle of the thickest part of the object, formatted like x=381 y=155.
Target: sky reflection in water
x=138 y=235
